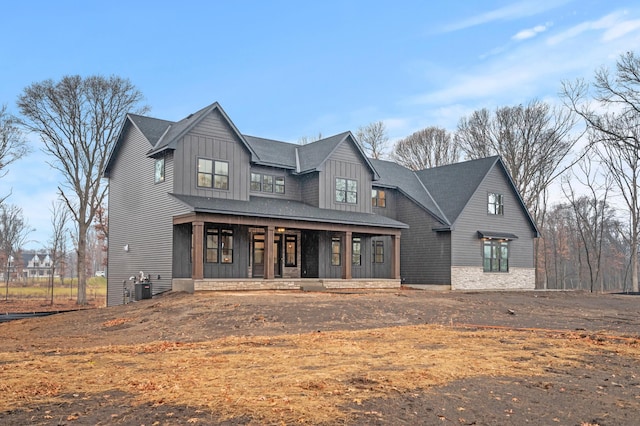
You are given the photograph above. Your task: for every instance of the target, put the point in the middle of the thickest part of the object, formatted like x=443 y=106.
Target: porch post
x=269 y=255
x=197 y=257
x=346 y=256
x=395 y=257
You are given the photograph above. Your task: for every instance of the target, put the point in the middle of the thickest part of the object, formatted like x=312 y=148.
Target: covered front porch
x=229 y=252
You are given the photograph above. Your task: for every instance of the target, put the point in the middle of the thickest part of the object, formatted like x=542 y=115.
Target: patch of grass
x=306 y=378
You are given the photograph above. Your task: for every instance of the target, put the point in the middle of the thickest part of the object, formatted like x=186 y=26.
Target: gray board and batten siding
x=212 y=138
x=145 y=210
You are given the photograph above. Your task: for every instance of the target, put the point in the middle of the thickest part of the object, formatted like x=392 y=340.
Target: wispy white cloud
x=510 y=12
x=530 y=32
x=615 y=25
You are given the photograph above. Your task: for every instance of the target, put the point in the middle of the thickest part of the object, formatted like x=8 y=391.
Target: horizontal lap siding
x=213 y=139
x=425 y=255
x=467 y=245
x=390 y=210
x=140 y=216
x=310 y=189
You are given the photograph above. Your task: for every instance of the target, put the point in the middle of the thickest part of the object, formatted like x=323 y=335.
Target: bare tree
x=373 y=139
x=592 y=213
x=303 y=140
x=534 y=140
x=12 y=145
x=101 y=226
x=58 y=241
x=14 y=230
x=78 y=120
x=613 y=122
x=429 y=147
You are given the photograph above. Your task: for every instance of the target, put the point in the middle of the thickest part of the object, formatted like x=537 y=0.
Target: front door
x=259 y=255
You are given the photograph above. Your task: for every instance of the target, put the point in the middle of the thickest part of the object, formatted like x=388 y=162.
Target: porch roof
x=275 y=208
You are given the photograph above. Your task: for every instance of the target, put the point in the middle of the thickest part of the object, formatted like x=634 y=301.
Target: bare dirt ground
x=362 y=357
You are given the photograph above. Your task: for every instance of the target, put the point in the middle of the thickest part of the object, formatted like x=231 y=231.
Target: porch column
x=395 y=257
x=346 y=256
x=197 y=262
x=269 y=255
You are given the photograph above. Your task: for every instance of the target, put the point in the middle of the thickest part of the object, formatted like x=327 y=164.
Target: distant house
x=197 y=205
x=35 y=265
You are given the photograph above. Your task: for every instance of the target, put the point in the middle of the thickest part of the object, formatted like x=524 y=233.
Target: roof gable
x=150 y=128
x=313 y=156
x=453 y=185
x=177 y=130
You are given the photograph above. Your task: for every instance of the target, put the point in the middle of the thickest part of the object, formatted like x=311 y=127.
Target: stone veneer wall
x=474 y=278
x=361 y=283
x=285 y=284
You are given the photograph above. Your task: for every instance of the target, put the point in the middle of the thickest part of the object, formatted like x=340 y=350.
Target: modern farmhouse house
x=197 y=205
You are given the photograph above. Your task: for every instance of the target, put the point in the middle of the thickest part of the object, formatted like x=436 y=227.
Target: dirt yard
x=387 y=357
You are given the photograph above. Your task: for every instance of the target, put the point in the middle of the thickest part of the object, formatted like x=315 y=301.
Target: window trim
x=377 y=200
x=212 y=174
x=257 y=179
x=496 y=262
x=356 y=255
x=220 y=251
x=159 y=178
x=495 y=207
x=290 y=238
x=346 y=192
x=336 y=256
x=377 y=256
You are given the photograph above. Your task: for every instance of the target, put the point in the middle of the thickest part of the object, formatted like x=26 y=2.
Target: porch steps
x=312 y=286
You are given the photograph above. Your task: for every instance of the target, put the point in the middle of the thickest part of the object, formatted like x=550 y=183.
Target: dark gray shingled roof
x=453 y=185
x=180 y=128
x=273 y=153
x=393 y=175
x=284 y=209
x=151 y=128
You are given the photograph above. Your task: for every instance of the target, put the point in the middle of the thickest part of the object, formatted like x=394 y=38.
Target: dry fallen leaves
x=310 y=376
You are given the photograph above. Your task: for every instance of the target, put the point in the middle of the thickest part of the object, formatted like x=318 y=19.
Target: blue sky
x=287 y=69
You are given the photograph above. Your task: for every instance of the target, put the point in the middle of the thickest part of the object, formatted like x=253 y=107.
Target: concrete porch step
x=312 y=286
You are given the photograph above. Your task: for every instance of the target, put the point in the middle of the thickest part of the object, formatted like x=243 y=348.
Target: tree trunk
x=82 y=269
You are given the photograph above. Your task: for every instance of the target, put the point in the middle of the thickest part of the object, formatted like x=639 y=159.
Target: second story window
x=159 y=170
x=346 y=191
x=267 y=183
x=213 y=174
x=256 y=182
x=377 y=198
x=495 y=203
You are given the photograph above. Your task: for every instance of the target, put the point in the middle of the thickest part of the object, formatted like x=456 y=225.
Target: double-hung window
x=495 y=203
x=213 y=174
x=346 y=191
